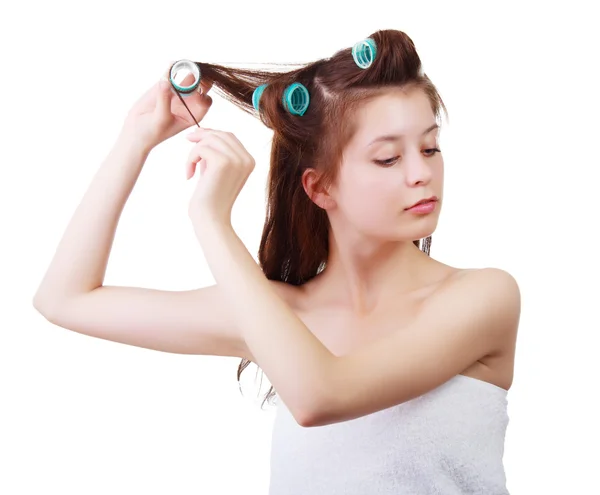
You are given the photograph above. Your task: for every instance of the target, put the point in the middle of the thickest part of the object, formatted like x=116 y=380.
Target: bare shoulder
x=489 y=273
x=455 y=283
x=467 y=280
x=494 y=287
x=494 y=290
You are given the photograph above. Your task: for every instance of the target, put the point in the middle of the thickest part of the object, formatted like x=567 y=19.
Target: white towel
x=449 y=441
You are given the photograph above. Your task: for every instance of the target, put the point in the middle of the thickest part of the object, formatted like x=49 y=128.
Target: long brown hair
x=295 y=237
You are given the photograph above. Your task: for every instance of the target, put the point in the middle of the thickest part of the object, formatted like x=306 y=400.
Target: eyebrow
x=396 y=137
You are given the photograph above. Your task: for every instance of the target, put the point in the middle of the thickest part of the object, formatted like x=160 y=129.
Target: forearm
x=79 y=263
x=295 y=361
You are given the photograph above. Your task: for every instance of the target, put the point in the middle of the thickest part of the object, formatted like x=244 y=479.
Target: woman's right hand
x=159 y=114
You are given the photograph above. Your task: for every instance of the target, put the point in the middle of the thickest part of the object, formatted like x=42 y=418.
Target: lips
x=427 y=200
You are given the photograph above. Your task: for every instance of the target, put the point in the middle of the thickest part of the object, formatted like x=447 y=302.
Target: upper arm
x=183 y=322
x=468 y=320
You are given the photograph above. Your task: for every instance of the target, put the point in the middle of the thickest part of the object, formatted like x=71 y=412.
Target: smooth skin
x=72 y=293
x=470 y=316
x=382 y=312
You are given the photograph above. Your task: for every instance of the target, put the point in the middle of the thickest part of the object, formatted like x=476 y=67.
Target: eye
x=434 y=151
x=390 y=161
x=387 y=163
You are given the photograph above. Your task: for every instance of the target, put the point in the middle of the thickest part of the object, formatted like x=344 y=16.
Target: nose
x=418 y=170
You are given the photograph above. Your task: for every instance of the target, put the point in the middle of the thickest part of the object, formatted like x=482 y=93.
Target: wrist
x=130 y=140
x=206 y=226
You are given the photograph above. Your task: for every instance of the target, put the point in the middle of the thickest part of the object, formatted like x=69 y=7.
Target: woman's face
x=390 y=164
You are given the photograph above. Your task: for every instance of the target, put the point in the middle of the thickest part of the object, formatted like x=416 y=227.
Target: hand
x=159 y=114
x=225 y=165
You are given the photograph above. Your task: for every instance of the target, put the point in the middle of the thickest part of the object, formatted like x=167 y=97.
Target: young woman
x=392 y=369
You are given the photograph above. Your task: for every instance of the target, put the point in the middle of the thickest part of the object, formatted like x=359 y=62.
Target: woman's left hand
x=225 y=165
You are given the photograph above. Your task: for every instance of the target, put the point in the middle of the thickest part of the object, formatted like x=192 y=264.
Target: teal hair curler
x=194 y=68
x=256 y=96
x=296 y=99
x=364 y=53
x=186 y=91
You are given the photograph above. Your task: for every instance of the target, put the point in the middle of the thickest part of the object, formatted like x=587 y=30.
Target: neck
x=364 y=274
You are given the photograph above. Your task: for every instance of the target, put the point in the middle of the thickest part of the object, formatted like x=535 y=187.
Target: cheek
x=438 y=172
x=371 y=202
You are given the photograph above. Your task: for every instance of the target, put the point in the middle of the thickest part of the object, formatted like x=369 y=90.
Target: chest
x=342 y=333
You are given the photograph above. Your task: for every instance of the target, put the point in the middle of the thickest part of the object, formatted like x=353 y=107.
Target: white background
x=81 y=415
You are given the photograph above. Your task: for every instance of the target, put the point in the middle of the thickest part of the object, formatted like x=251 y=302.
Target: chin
x=418 y=232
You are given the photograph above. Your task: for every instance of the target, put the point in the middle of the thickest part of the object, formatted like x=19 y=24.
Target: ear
x=318 y=195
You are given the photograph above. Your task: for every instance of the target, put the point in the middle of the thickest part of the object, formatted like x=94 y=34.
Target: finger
x=205 y=86
x=228 y=141
x=167 y=72
x=215 y=142
x=202 y=154
x=199 y=99
x=237 y=149
x=187 y=80
x=204 y=151
x=200 y=133
x=197 y=103
x=235 y=141
x=245 y=159
x=196 y=157
x=190 y=168
x=228 y=146
x=197 y=134
x=163 y=98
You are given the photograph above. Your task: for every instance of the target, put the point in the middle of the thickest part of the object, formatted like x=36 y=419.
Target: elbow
x=44 y=307
x=302 y=414
x=38 y=305
x=316 y=417
x=306 y=420
x=305 y=413
x=323 y=400
x=317 y=411
x=327 y=407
